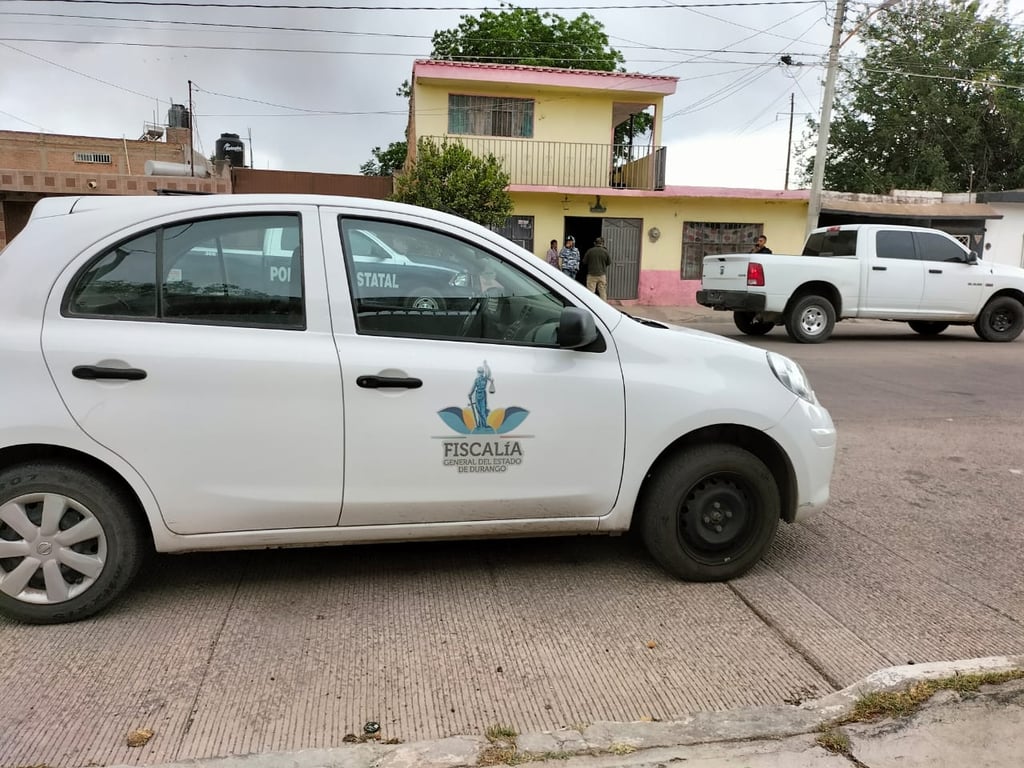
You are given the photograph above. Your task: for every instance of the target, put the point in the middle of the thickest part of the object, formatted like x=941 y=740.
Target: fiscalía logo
x=477 y=418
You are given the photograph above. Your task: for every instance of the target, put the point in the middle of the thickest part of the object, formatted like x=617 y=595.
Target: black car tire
x=710 y=512
x=110 y=553
x=927 y=327
x=811 y=320
x=747 y=323
x=1002 y=319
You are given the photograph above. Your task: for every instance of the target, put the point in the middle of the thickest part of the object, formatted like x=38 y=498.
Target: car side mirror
x=576 y=328
x=972 y=258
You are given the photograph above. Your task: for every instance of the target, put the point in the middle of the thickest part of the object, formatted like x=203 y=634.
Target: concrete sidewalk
x=979 y=729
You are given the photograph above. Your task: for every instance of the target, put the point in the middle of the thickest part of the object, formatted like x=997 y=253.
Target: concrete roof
x=544 y=76
x=911 y=210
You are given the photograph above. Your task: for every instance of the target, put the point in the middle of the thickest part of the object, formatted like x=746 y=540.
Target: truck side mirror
x=576 y=328
x=971 y=258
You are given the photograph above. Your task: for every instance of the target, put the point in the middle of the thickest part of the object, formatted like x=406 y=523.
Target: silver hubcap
x=426 y=302
x=51 y=548
x=813 y=321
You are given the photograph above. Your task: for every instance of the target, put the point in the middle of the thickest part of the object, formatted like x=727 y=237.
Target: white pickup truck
x=923 y=277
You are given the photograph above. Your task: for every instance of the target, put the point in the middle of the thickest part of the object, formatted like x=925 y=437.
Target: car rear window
x=841 y=242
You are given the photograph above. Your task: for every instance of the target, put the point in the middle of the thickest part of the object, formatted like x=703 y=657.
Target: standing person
x=597 y=260
x=761 y=246
x=552 y=255
x=569 y=257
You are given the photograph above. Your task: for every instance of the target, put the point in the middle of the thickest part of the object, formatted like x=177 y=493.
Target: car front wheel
x=1002 y=319
x=69 y=543
x=710 y=512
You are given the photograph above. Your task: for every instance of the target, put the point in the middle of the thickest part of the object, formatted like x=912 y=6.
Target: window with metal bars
x=704 y=238
x=92 y=157
x=490 y=116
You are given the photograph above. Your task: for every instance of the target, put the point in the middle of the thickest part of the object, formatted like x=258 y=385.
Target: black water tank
x=178 y=116
x=231 y=148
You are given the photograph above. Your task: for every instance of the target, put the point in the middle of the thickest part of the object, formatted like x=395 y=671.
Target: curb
x=613 y=738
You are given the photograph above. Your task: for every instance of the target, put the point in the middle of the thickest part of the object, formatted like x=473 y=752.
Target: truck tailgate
x=725 y=272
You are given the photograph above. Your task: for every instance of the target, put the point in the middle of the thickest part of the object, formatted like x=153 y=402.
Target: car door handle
x=95 y=372
x=388 y=382
x=934 y=271
x=879 y=269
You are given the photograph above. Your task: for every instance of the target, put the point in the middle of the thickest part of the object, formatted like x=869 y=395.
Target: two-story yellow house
x=554 y=129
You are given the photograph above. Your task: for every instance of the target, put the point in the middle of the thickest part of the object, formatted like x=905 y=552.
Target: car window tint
x=895 y=244
x=121 y=282
x=842 y=242
x=934 y=247
x=237 y=270
x=430 y=284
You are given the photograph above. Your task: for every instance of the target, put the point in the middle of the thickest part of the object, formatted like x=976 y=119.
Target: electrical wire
x=294 y=7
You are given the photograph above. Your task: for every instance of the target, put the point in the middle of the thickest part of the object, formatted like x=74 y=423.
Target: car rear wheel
x=1002 y=319
x=927 y=327
x=710 y=512
x=811 y=320
x=69 y=543
x=747 y=322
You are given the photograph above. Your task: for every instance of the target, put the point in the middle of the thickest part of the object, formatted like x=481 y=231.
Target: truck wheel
x=927 y=327
x=746 y=322
x=710 y=512
x=69 y=544
x=1002 y=319
x=426 y=298
x=811 y=320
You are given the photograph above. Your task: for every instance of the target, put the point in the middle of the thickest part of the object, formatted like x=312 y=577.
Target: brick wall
x=50 y=152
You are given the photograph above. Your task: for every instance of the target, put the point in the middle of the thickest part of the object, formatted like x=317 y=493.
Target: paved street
x=916 y=559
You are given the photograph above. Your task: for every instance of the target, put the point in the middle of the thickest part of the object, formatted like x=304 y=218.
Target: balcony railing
x=571 y=164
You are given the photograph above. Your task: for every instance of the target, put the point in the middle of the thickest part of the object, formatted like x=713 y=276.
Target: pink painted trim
x=671 y=192
x=564 y=78
x=664 y=288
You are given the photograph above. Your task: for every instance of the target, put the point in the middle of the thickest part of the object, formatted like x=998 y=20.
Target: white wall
x=1006 y=235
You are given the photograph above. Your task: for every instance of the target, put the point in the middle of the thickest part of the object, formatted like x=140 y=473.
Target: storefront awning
x=911 y=210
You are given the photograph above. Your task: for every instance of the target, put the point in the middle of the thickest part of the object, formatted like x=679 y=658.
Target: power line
x=293 y=7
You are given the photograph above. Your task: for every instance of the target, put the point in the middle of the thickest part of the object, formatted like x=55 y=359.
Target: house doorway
x=622 y=239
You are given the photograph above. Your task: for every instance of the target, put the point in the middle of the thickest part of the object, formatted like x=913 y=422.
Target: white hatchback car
x=170 y=382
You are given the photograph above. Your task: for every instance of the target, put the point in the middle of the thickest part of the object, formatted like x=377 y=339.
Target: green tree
x=448 y=177
x=935 y=103
x=385 y=161
x=528 y=36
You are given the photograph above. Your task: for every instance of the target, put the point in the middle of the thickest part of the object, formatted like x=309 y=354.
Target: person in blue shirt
x=570 y=257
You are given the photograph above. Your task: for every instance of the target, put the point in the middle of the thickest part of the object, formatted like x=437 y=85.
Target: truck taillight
x=755 y=274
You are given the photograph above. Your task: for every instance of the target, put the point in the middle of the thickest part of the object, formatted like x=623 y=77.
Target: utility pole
x=191 y=138
x=789 y=142
x=814 y=202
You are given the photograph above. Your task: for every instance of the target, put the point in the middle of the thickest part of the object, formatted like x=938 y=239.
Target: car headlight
x=791 y=375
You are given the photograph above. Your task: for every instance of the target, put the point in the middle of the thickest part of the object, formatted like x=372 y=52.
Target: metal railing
x=570 y=164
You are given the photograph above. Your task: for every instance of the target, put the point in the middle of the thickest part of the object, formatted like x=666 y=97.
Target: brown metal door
x=622 y=239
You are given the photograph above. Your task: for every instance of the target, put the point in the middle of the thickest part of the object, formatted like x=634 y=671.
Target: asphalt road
x=917 y=558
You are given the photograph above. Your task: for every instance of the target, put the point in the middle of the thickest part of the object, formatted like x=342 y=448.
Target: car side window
x=424 y=283
x=934 y=247
x=236 y=270
x=895 y=244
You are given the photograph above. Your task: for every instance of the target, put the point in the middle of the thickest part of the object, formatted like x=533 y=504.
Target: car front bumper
x=808 y=436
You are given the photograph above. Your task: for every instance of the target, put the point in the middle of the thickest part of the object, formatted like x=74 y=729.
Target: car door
x=952 y=286
x=186 y=350
x=466 y=409
x=895 y=276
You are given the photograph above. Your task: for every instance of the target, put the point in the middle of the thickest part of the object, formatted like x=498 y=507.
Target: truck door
x=895 y=276
x=952 y=286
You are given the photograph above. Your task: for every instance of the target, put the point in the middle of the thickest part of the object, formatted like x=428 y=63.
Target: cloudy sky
x=315 y=88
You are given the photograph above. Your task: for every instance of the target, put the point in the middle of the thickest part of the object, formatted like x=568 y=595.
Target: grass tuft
x=835 y=741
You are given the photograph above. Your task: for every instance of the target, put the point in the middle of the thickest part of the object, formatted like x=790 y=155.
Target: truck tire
x=746 y=322
x=710 y=512
x=927 y=327
x=69 y=543
x=1002 y=319
x=811 y=319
